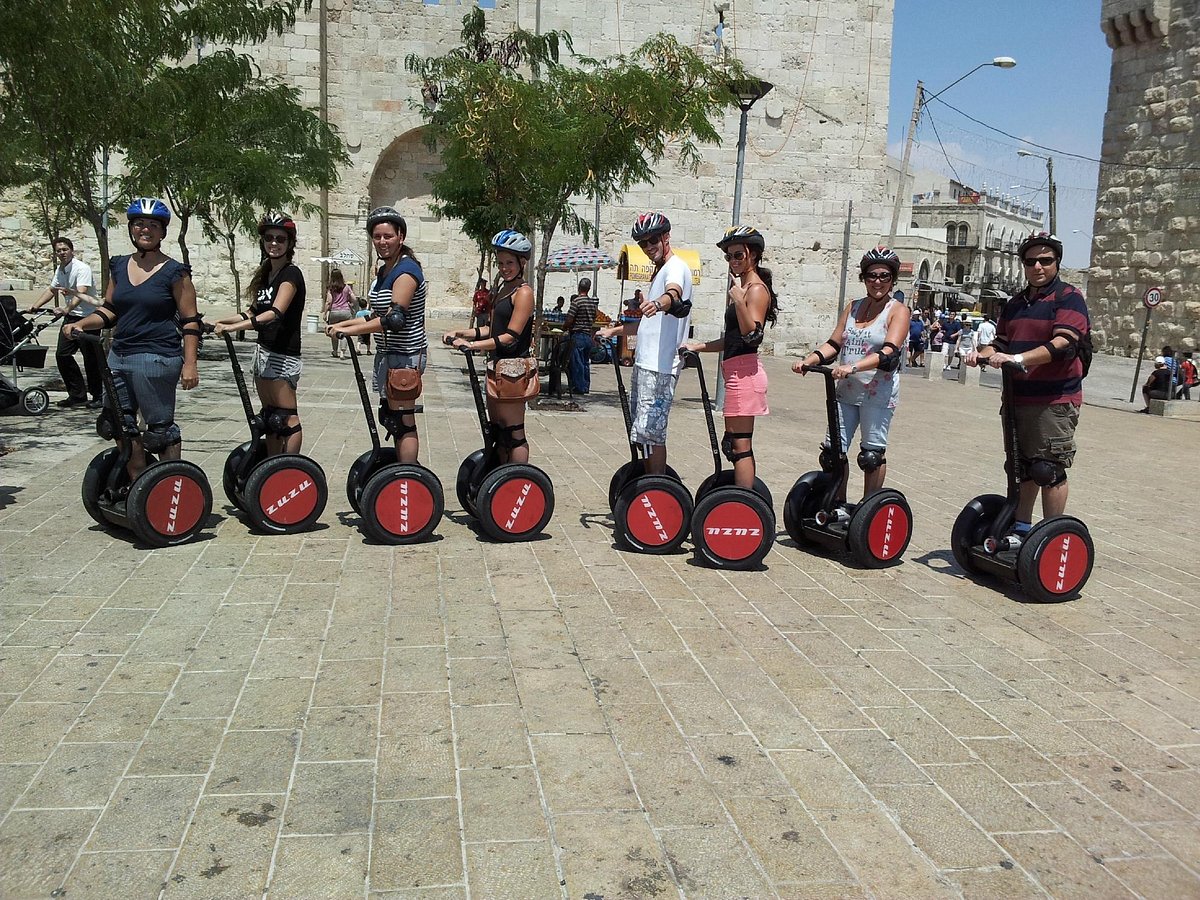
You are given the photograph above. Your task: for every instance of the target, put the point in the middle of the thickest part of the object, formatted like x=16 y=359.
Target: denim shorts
x=874 y=419
x=146 y=383
x=393 y=359
x=271 y=366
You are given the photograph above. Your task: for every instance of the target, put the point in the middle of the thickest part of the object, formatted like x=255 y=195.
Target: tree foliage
x=83 y=80
x=521 y=132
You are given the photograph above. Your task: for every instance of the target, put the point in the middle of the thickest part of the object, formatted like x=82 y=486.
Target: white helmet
x=513 y=242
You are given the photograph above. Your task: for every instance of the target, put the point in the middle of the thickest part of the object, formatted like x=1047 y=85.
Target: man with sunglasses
x=666 y=314
x=1040 y=331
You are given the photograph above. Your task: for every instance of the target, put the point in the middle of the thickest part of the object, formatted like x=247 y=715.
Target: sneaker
x=342 y=354
x=73 y=401
x=95 y=403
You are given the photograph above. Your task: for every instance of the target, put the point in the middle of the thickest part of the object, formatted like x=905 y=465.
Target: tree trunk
x=547 y=237
x=184 y=218
x=230 y=238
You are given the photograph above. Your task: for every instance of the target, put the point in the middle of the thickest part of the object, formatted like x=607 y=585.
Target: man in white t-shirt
x=986 y=333
x=666 y=314
x=72 y=289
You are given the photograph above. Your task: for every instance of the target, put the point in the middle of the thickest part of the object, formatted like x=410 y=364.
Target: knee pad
x=727 y=440
x=275 y=419
x=392 y=421
x=828 y=459
x=870 y=459
x=158 y=436
x=1043 y=472
x=506 y=436
x=111 y=425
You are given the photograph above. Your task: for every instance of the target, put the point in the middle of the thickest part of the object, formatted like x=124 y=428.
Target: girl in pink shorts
x=752 y=305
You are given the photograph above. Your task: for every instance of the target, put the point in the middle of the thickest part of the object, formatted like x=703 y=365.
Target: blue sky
x=1056 y=95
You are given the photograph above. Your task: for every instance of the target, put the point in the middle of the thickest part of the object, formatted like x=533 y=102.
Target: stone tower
x=1148 y=201
x=816 y=141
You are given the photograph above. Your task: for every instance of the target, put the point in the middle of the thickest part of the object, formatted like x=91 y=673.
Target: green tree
x=520 y=133
x=79 y=82
x=234 y=136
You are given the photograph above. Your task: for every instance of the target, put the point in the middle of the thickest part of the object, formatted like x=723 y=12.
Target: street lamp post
x=1052 y=188
x=747 y=92
x=919 y=101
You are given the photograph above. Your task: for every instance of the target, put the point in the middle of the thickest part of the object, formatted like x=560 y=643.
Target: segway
x=169 y=501
x=284 y=493
x=511 y=501
x=1051 y=562
x=876 y=530
x=732 y=527
x=400 y=503
x=651 y=513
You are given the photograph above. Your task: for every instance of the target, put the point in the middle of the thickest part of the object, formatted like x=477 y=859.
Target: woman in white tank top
x=865 y=345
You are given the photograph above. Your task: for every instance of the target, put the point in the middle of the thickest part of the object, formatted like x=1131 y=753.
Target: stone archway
x=402 y=179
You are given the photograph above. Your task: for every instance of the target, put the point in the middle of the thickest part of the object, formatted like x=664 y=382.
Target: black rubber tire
x=1040 y=541
x=629 y=497
x=140 y=492
x=971 y=527
x=229 y=473
x=34 y=402
x=725 y=479
x=313 y=480
x=380 y=482
x=361 y=471
x=494 y=482
x=470 y=475
x=95 y=478
x=859 y=530
x=803 y=501
x=704 y=543
x=629 y=471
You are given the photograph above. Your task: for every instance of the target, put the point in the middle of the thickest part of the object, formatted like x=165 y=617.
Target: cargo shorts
x=1047 y=432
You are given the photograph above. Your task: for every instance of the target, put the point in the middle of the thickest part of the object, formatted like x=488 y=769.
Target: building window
x=951 y=233
x=959 y=271
x=962 y=234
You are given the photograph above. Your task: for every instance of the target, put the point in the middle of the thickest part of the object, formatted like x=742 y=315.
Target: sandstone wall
x=1148 y=202
x=816 y=141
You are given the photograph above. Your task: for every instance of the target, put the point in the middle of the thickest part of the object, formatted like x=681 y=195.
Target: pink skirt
x=745 y=386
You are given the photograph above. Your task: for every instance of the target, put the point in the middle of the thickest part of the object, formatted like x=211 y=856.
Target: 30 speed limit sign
x=1153 y=297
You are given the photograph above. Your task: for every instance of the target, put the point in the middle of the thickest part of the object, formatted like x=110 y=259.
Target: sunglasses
x=1043 y=261
x=649 y=242
x=735 y=256
x=275 y=239
x=878 y=276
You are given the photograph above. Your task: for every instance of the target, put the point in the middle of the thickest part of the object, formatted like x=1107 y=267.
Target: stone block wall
x=817 y=141
x=1148 y=200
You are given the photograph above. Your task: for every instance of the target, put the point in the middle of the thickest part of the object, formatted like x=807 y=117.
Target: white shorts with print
x=650 y=402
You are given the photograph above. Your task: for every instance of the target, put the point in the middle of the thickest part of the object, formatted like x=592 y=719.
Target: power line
x=1058 y=152
x=929 y=116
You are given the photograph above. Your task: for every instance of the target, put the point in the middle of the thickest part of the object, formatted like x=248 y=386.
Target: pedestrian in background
x=1158 y=385
x=579 y=325
x=340 y=305
x=73 y=290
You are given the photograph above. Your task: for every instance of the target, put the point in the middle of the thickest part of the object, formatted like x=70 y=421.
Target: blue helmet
x=148 y=208
x=512 y=241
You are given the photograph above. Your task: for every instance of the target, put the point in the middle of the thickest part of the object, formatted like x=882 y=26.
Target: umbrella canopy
x=573 y=259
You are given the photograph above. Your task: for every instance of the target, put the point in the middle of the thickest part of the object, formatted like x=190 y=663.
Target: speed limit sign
x=1153 y=297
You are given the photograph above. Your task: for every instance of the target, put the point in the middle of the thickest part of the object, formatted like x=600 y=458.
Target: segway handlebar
x=87 y=338
x=823 y=368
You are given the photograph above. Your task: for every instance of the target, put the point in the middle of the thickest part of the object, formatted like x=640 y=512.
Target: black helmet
x=386 y=214
x=880 y=256
x=1044 y=239
x=278 y=220
x=743 y=234
x=648 y=225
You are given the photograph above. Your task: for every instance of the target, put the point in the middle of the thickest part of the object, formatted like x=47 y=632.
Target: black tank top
x=734 y=345
x=502 y=313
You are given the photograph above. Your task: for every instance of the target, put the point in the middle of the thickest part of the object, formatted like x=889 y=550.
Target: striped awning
x=574 y=259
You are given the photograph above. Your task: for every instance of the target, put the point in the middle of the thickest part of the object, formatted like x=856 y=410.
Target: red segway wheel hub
x=889 y=531
x=518 y=505
x=175 y=505
x=1063 y=563
x=288 y=496
x=733 y=530
x=655 y=518
x=404 y=506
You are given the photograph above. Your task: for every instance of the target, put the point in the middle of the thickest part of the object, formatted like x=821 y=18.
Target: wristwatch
x=1019 y=359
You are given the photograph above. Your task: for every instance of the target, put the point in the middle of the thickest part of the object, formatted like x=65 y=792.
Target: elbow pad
x=826 y=360
x=1059 y=353
x=889 y=357
x=197 y=321
x=393 y=320
x=108 y=313
x=754 y=337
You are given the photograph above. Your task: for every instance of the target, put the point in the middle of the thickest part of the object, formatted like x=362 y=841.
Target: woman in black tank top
x=752 y=304
x=508 y=336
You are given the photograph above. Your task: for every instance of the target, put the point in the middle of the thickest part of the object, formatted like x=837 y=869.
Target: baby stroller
x=20 y=349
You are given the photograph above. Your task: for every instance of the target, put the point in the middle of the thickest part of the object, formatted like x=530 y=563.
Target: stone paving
x=315 y=717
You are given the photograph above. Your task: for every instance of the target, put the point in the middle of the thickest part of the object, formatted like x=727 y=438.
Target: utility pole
x=1053 y=195
x=908 y=143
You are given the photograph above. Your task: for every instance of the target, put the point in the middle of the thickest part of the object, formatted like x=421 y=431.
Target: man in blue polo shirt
x=1040 y=330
